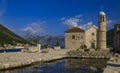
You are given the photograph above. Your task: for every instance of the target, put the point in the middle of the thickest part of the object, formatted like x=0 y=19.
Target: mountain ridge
x=9 y=37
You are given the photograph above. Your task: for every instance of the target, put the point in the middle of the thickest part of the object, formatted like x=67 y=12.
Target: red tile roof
x=74 y=29
x=117 y=24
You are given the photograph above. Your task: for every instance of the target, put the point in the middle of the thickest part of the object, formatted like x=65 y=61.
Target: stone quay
x=19 y=59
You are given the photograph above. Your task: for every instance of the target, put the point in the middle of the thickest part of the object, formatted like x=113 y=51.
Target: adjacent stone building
x=74 y=37
x=92 y=37
x=116 y=39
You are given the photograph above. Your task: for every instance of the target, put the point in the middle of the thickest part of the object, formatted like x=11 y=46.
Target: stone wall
x=30 y=49
x=74 y=40
x=89 y=54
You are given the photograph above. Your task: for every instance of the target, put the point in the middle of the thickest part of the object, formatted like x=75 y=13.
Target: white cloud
x=76 y=21
x=73 y=21
x=110 y=24
x=3 y=7
x=86 y=26
x=34 y=28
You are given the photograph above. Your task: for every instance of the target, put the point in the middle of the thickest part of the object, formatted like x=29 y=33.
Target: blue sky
x=53 y=17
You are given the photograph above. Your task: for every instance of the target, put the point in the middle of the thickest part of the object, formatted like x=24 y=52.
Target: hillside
x=8 y=37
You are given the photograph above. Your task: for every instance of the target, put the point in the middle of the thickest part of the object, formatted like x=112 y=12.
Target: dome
x=102 y=13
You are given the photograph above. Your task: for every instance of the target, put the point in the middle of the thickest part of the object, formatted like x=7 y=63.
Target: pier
x=19 y=59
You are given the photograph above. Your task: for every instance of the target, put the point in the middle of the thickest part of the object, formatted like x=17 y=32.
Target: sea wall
x=102 y=54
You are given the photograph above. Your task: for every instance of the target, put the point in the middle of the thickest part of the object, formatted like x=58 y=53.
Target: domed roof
x=102 y=13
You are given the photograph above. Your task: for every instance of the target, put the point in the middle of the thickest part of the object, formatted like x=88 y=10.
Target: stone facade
x=93 y=37
x=116 y=38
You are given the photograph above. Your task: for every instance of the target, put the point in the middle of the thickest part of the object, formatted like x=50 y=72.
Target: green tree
x=57 y=44
x=46 y=46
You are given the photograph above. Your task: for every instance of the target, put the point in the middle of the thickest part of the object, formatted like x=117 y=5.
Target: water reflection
x=88 y=65
x=64 y=66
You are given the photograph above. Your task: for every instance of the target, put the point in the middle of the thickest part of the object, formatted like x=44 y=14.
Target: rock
x=6 y=65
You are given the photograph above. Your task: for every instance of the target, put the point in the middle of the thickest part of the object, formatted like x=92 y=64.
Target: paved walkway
x=10 y=60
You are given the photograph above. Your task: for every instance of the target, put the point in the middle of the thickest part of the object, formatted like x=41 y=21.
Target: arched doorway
x=93 y=45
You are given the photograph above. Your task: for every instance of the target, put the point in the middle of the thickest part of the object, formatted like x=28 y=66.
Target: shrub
x=83 y=47
x=97 y=49
x=46 y=46
x=57 y=44
x=86 y=50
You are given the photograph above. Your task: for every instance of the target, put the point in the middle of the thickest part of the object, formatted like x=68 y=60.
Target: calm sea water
x=10 y=50
x=64 y=66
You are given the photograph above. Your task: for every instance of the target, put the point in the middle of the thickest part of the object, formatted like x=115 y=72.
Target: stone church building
x=92 y=37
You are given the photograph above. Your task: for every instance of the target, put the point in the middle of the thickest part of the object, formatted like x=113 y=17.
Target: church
x=92 y=37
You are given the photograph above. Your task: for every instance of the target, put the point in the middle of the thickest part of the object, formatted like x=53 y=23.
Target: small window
x=103 y=19
x=93 y=34
x=81 y=37
x=73 y=36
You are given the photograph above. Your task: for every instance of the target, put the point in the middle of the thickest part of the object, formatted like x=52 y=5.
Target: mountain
x=110 y=34
x=8 y=37
x=50 y=40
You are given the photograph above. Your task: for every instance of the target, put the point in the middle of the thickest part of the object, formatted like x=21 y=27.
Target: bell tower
x=102 y=30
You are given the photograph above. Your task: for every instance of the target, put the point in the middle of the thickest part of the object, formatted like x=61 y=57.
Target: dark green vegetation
x=8 y=37
x=110 y=35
